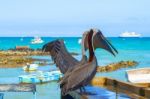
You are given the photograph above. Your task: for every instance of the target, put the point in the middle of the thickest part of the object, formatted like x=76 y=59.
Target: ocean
x=137 y=49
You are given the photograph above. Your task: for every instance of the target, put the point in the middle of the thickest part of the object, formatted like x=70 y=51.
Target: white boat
x=40 y=77
x=79 y=41
x=140 y=76
x=36 y=40
x=130 y=34
x=30 y=67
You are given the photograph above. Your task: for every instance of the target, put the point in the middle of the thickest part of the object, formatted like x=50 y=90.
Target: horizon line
x=72 y=36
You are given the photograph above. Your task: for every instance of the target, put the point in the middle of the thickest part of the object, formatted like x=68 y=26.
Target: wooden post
x=124 y=87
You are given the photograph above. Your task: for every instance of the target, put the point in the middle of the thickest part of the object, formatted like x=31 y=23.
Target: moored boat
x=139 y=76
x=40 y=77
x=129 y=34
x=30 y=67
x=79 y=41
x=36 y=40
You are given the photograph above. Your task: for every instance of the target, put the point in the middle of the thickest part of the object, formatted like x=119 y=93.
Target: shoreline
x=15 y=59
x=19 y=58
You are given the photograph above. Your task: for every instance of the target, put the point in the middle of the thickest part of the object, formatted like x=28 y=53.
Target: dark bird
x=99 y=41
x=83 y=74
x=66 y=62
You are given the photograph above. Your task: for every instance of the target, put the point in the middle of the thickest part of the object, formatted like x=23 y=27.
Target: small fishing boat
x=139 y=76
x=36 y=40
x=30 y=67
x=40 y=77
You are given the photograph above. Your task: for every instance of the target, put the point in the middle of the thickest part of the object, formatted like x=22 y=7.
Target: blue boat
x=40 y=77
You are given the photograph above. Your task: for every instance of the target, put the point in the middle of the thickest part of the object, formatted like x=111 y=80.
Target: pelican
x=68 y=64
x=83 y=74
x=99 y=41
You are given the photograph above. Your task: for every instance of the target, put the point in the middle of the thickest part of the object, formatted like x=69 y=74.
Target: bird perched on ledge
x=81 y=74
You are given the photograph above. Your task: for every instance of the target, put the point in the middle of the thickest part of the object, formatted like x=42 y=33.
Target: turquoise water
x=137 y=49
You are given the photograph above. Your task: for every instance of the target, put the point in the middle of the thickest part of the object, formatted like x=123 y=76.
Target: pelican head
x=99 y=41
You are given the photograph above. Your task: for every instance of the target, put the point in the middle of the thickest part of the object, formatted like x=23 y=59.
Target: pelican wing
x=62 y=58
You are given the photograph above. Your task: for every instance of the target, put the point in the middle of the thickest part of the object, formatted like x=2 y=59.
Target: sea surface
x=137 y=49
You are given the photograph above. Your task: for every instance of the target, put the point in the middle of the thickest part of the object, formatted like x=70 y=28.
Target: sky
x=73 y=17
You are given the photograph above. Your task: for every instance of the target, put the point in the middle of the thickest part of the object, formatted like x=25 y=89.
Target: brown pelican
x=65 y=61
x=83 y=74
x=99 y=41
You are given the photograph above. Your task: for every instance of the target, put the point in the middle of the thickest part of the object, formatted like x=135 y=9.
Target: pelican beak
x=99 y=41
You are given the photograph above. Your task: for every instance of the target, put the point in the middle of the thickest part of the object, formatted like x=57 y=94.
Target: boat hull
x=40 y=78
x=33 y=67
x=130 y=35
x=139 y=76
